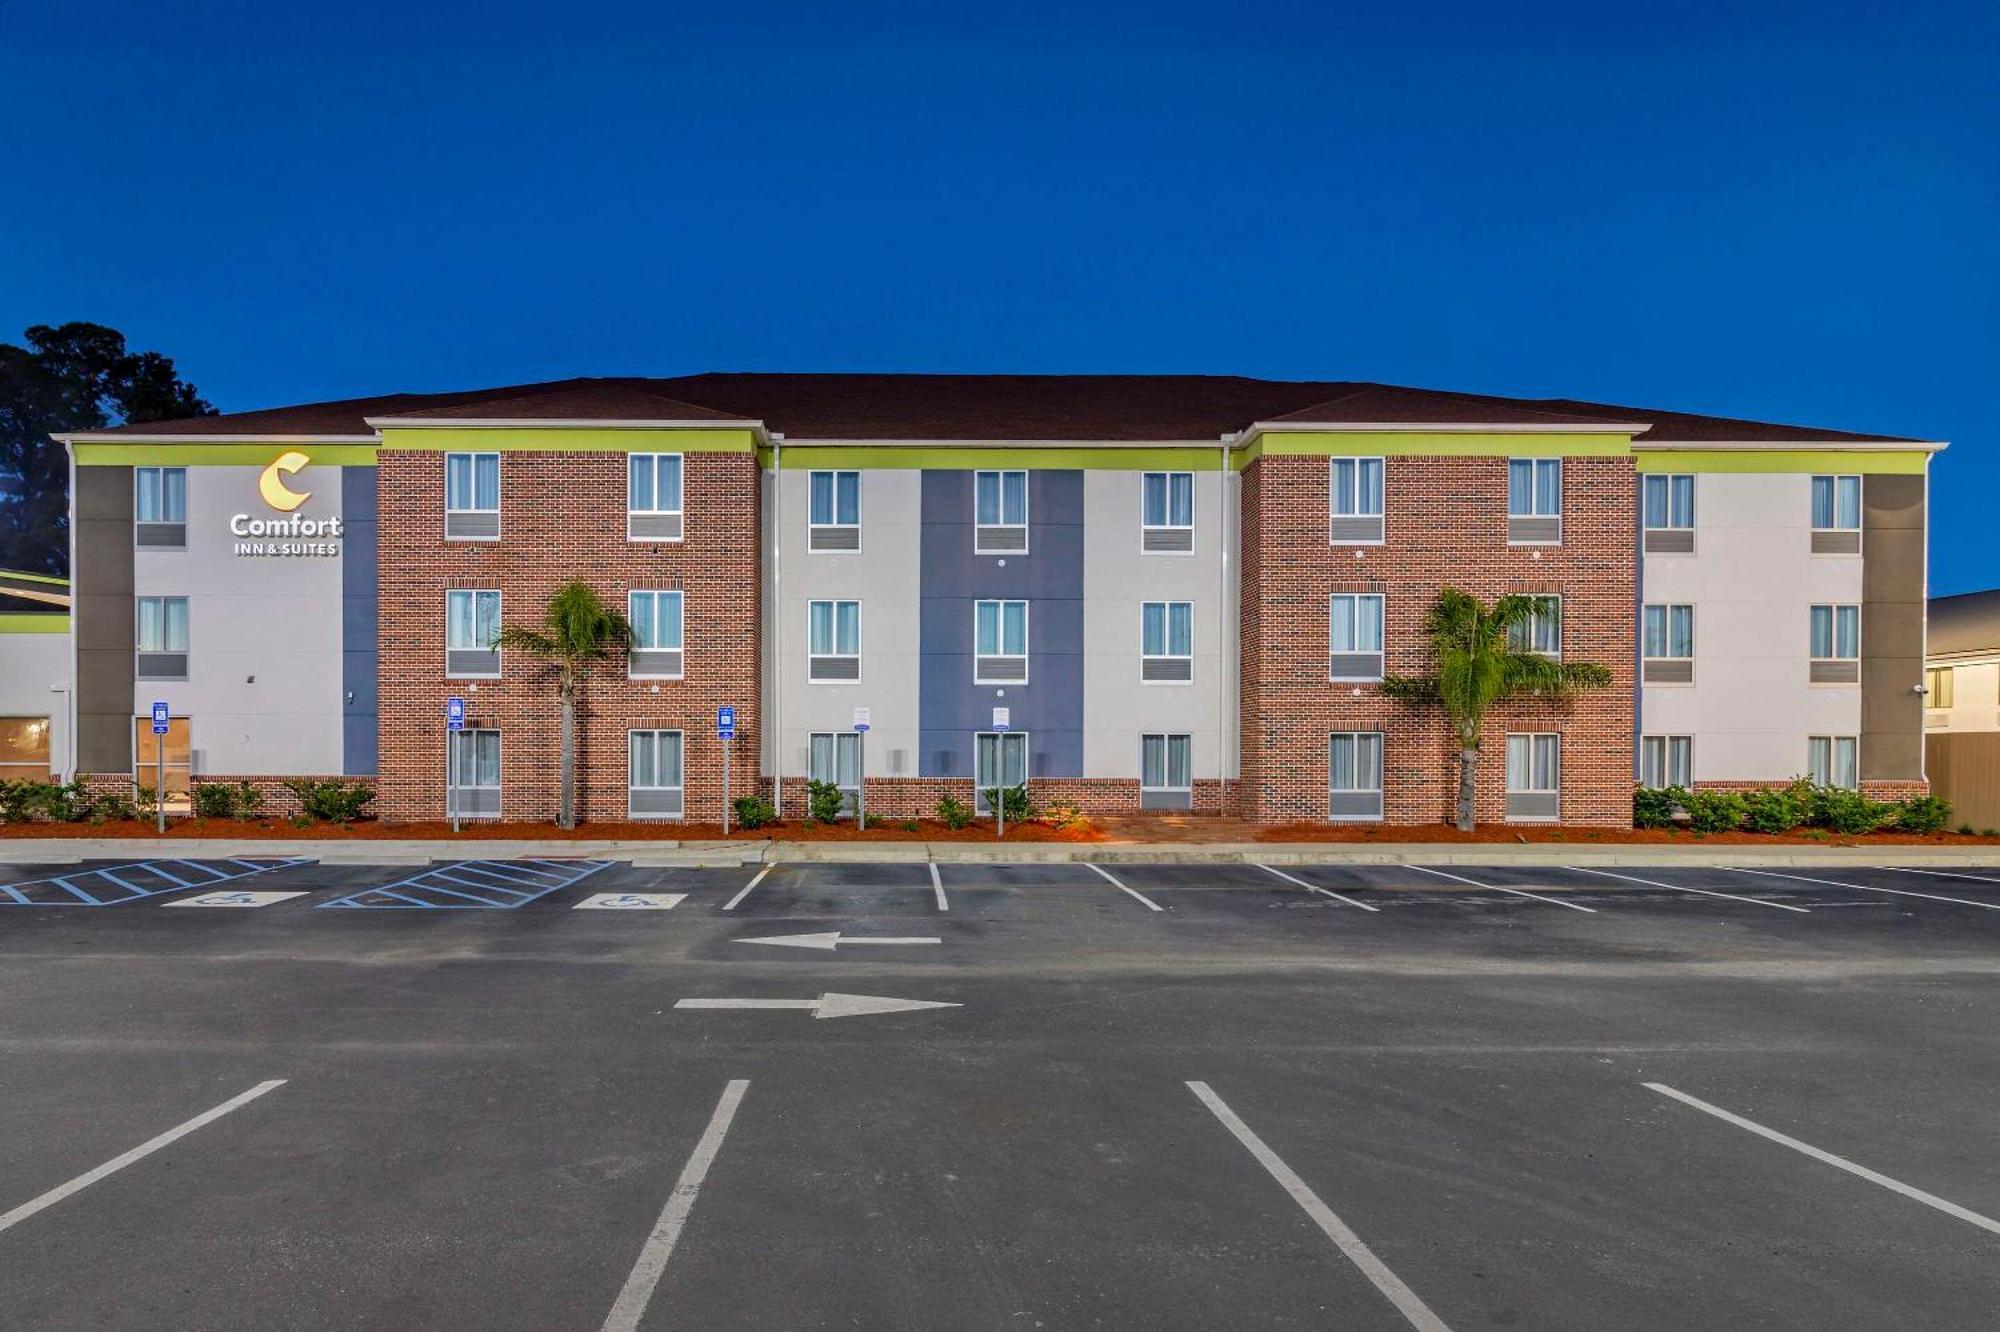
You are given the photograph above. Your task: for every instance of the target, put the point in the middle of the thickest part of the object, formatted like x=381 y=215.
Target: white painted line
x=937 y=887
x=730 y=905
x=144 y=1149
x=631 y=1303
x=1313 y=887
x=1944 y=874
x=829 y=940
x=630 y=902
x=1501 y=888
x=1682 y=888
x=1894 y=1186
x=827 y=1005
x=1415 y=1310
x=1866 y=888
x=1123 y=889
x=233 y=899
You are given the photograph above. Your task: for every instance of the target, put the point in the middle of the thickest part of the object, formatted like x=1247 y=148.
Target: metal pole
x=861 y=780
x=451 y=776
x=726 y=747
x=160 y=783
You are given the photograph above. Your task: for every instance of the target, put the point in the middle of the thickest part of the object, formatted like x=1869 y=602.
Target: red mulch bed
x=926 y=830
x=1444 y=832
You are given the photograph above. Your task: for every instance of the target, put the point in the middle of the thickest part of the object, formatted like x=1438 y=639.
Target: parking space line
x=631 y=1303
x=144 y=1149
x=1806 y=1148
x=1406 y=1301
x=1682 y=888
x=756 y=879
x=1943 y=874
x=1502 y=888
x=937 y=887
x=109 y=877
x=1313 y=887
x=1866 y=888
x=1122 y=888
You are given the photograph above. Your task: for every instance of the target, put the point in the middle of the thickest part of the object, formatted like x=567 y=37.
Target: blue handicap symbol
x=626 y=900
x=233 y=899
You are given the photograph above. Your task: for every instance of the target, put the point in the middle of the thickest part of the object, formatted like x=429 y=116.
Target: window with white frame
x=835 y=757
x=833 y=511
x=1166 y=772
x=472 y=496
x=1666 y=513
x=1355 y=501
x=1836 y=515
x=999 y=513
x=471 y=633
x=653 y=497
x=1835 y=650
x=1000 y=759
x=1534 y=501
x=25 y=750
x=1354 y=646
x=1833 y=760
x=1938 y=686
x=656 y=650
x=1354 y=776
x=655 y=787
x=475 y=774
x=1540 y=630
x=159 y=508
x=1666 y=760
x=161 y=628
x=1534 y=776
x=1166 y=642
x=1000 y=642
x=833 y=642
x=1666 y=644
x=1166 y=513
x=176 y=749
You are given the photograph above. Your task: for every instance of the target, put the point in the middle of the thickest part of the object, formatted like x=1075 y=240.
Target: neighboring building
x=1962 y=664
x=34 y=676
x=1131 y=591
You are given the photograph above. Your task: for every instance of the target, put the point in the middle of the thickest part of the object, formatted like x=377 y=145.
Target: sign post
x=160 y=720
x=454 y=722
x=1001 y=722
x=725 y=731
x=861 y=768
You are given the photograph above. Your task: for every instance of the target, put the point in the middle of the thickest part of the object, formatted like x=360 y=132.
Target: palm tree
x=577 y=629
x=1478 y=664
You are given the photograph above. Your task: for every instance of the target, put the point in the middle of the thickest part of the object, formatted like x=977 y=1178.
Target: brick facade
x=563 y=517
x=917 y=797
x=1446 y=526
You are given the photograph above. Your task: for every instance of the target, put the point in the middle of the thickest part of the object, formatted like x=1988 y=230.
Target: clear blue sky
x=1787 y=213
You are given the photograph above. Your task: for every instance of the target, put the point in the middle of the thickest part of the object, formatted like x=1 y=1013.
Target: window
x=24 y=749
x=1166 y=642
x=1354 y=776
x=1000 y=642
x=833 y=642
x=656 y=636
x=833 y=511
x=1937 y=687
x=999 y=512
x=162 y=638
x=1356 y=501
x=1166 y=774
x=1167 y=512
x=179 y=751
x=655 y=790
x=653 y=497
x=1666 y=760
x=1540 y=630
x=835 y=756
x=471 y=633
x=1666 y=645
x=159 y=508
x=474 y=792
x=999 y=759
x=472 y=496
x=1831 y=760
x=1836 y=645
x=1534 y=501
x=1534 y=776
x=1666 y=506
x=1354 y=650
x=1836 y=515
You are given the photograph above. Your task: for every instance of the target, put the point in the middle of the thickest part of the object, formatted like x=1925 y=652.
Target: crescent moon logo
x=271 y=484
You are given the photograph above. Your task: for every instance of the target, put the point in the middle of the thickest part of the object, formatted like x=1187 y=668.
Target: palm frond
x=526 y=640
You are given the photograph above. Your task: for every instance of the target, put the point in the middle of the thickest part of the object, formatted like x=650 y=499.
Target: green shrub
x=910 y=825
x=1013 y=801
x=1923 y=814
x=1714 y=811
x=105 y=807
x=331 y=801
x=954 y=812
x=1965 y=830
x=1849 y=812
x=1777 y=811
x=226 y=800
x=25 y=802
x=824 y=801
x=753 y=811
x=1654 y=807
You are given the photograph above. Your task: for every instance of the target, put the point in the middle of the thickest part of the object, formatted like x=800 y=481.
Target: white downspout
x=777 y=676
x=75 y=607
x=1232 y=635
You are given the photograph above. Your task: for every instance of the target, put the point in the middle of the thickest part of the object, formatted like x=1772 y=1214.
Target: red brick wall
x=917 y=797
x=562 y=517
x=1446 y=526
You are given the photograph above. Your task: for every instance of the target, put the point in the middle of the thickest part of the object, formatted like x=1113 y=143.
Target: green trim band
x=218 y=455
x=19 y=575
x=508 y=439
x=803 y=458
x=1404 y=444
x=1889 y=462
x=28 y=622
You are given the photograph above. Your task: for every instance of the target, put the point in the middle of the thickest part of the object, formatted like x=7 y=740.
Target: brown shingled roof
x=589 y=400
x=1969 y=622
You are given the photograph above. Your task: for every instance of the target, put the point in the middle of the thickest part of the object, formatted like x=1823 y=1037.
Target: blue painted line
x=19 y=896
x=514 y=873
x=474 y=883
x=131 y=888
x=480 y=878
x=69 y=887
x=158 y=867
x=505 y=885
x=134 y=892
x=456 y=892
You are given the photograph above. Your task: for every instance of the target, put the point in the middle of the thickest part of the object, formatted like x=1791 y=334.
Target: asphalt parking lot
x=583 y=1094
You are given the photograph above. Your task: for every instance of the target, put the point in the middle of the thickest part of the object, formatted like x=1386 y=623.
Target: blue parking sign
x=454 y=714
x=725 y=723
x=159 y=718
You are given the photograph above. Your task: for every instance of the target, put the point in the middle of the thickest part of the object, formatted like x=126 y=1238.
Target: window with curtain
x=1165 y=762
x=1534 y=487
x=1166 y=628
x=1354 y=761
x=1667 y=502
x=162 y=624
x=833 y=628
x=1669 y=632
x=1540 y=630
x=1169 y=499
x=1357 y=487
x=1000 y=628
x=1938 y=687
x=159 y=494
x=472 y=482
x=1836 y=503
x=656 y=620
x=835 y=499
x=1534 y=763
x=653 y=483
x=1666 y=760
x=656 y=760
x=1831 y=760
x=1836 y=633
x=472 y=619
x=1357 y=622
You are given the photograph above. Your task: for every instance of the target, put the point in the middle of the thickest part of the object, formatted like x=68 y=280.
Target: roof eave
x=1792 y=445
x=246 y=437
x=1447 y=428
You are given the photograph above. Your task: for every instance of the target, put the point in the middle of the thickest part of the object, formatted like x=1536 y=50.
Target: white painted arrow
x=826 y=1006
x=828 y=941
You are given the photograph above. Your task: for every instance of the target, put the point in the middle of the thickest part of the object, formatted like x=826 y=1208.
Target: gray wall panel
x=1892 y=628
x=359 y=604
x=103 y=619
